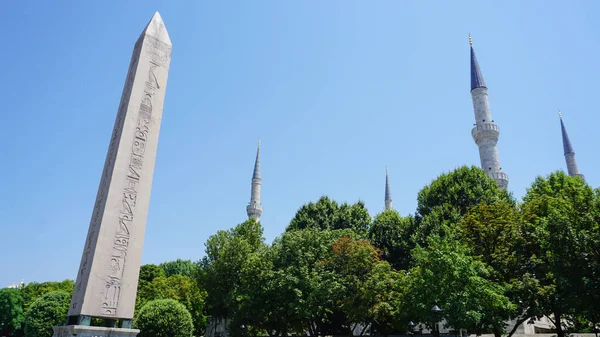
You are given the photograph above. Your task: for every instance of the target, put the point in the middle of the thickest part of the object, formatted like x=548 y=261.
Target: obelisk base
x=92 y=331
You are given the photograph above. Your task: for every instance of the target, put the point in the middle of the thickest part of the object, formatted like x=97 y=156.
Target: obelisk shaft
x=107 y=280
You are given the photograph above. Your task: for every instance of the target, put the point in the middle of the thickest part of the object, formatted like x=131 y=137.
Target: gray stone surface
x=485 y=134
x=388 y=192
x=92 y=331
x=254 y=208
x=572 y=168
x=108 y=275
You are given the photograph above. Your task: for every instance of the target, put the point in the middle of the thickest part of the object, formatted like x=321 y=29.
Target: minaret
x=254 y=208
x=388 y=194
x=569 y=153
x=486 y=132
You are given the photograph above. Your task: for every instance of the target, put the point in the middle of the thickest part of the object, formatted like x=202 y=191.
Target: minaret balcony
x=500 y=177
x=485 y=131
x=254 y=210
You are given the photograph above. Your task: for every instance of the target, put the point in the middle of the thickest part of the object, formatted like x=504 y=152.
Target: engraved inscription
x=106 y=175
x=129 y=195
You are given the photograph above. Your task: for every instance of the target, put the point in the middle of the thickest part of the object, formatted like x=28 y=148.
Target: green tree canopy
x=328 y=214
x=11 y=312
x=591 y=304
x=494 y=235
x=560 y=214
x=367 y=292
x=149 y=272
x=181 y=288
x=179 y=267
x=492 y=232
x=45 y=312
x=226 y=254
x=445 y=274
x=451 y=195
x=32 y=291
x=391 y=234
x=164 y=318
x=302 y=296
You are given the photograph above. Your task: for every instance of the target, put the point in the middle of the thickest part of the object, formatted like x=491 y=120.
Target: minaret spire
x=254 y=208
x=388 y=194
x=476 y=76
x=568 y=148
x=486 y=132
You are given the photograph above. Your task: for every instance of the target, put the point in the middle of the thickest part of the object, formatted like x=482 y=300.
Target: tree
x=494 y=235
x=559 y=215
x=591 y=303
x=45 y=312
x=164 y=318
x=385 y=296
x=450 y=196
x=303 y=297
x=367 y=291
x=149 y=272
x=445 y=274
x=328 y=214
x=491 y=231
x=182 y=289
x=391 y=234
x=262 y=298
x=226 y=254
x=34 y=290
x=179 y=267
x=11 y=312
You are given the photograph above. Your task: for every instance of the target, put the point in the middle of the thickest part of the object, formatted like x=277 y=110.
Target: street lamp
x=436 y=310
x=411 y=327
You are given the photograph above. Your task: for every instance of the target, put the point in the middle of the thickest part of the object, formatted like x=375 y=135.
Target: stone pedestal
x=92 y=331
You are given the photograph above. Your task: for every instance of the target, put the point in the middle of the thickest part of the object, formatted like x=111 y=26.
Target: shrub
x=45 y=312
x=164 y=318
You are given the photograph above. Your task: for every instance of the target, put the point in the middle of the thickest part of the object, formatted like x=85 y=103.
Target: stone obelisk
x=107 y=279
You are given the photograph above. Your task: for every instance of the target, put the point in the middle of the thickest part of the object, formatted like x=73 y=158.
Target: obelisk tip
x=156 y=28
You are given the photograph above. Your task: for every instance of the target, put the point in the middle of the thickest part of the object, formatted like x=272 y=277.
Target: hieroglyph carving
x=107 y=172
x=159 y=53
x=132 y=149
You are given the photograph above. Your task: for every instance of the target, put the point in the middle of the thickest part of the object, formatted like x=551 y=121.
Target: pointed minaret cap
x=156 y=28
x=256 y=174
x=388 y=194
x=565 y=137
x=476 y=77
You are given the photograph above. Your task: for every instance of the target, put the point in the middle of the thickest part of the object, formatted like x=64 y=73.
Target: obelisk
x=107 y=279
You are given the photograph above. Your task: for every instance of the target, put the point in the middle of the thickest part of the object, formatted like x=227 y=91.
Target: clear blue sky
x=336 y=90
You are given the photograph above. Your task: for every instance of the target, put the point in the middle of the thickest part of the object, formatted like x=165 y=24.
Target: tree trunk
x=517 y=325
x=559 y=330
x=497 y=332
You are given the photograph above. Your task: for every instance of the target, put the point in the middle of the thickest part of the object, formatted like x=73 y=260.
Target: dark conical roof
x=565 y=137
x=256 y=174
x=388 y=194
x=476 y=77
